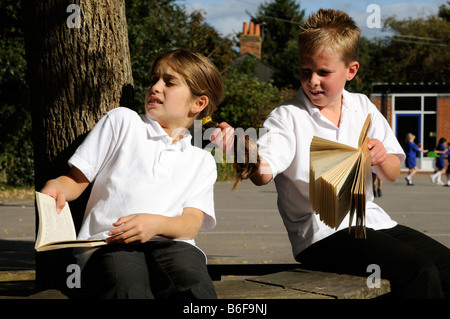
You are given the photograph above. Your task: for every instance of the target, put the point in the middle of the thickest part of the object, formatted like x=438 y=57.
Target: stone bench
x=294 y=283
x=274 y=281
x=20 y=284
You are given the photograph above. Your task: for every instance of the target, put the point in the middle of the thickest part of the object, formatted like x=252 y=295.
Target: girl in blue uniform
x=448 y=166
x=411 y=150
x=440 y=149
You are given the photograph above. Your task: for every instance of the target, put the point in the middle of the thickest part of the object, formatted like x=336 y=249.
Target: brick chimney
x=251 y=40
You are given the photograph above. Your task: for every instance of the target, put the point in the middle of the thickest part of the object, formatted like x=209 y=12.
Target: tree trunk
x=76 y=73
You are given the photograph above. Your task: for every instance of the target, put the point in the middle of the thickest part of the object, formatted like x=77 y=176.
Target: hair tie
x=206 y=119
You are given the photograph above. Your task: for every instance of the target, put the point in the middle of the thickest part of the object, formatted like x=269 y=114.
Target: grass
x=9 y=193
x=225 y=172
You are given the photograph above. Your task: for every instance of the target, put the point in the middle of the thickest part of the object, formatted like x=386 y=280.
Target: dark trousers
x=159 y=269
x=416 y=265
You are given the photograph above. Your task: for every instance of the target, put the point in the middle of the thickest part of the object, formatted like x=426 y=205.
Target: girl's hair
x=200 y=74
x=442 y=140
x=245 y=163
x=330 y=29
x=410 y=136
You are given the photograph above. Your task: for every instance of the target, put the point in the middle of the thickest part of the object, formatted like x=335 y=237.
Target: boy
x=328 y=45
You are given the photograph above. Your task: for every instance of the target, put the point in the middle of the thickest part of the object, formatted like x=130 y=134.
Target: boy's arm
x=224 y=138
x=386 y=166
x=139 y=228
x=263 y=175
x=66 y=187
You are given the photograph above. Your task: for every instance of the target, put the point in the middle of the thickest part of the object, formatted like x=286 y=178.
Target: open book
x=340 y=176
x=57 y=230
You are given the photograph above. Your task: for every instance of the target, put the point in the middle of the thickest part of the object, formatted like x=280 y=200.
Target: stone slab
x=339 y=286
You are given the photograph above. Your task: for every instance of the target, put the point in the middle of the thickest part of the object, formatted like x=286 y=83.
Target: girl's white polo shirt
x=134 y=168
x=290 y=129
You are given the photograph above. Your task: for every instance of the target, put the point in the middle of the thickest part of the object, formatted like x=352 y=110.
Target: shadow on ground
x=17 y=254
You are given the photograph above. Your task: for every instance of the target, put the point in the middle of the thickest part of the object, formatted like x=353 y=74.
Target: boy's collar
x=346 y=104
x=301 y=96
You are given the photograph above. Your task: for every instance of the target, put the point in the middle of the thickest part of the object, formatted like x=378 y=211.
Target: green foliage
x=16 y=149
x=444 y=12
x=280 y=21
x=248 y=101
x=155 y=26
x=371 y=68
x=419 y=52
x=225 y=169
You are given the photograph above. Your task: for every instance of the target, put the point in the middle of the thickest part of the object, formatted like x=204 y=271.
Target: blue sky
x=227 y=16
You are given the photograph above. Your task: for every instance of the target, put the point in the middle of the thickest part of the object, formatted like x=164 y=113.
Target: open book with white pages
x=57 y=230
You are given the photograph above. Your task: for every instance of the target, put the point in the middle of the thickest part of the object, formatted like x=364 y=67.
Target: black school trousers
x=156 y=269
x=417 y=266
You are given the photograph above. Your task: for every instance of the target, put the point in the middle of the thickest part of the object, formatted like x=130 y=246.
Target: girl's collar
x=154 y=130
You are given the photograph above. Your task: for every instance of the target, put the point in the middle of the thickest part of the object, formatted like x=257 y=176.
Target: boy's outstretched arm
x=66 y=187
x=386 y=166
x=223 y=137
x=263 y=175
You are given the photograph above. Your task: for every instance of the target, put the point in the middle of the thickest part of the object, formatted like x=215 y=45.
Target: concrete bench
x=20 y=284
x=295 y=283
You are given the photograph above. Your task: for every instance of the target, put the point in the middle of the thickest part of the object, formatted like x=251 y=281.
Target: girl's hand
x=135 y=228
x=377 y=152
x=55 y=190
x=140 y=228
x=66 y=187
x=223 y=136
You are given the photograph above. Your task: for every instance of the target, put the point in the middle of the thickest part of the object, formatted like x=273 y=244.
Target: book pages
x=57 y=230
x=53 y=226
x=340 y=176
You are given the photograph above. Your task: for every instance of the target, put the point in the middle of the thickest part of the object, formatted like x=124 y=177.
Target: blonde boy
x=328 y=46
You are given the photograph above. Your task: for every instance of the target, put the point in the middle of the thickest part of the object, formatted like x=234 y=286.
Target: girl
x=152 y=191
x=447 y=172
x=440 y=149
x=410 y=151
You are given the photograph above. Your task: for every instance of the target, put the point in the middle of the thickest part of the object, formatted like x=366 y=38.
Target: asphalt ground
x=249 y=229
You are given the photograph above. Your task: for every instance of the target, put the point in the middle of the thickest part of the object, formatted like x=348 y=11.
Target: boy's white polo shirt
x=286 y=146
x=135 y=168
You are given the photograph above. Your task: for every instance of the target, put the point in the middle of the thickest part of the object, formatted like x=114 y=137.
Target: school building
x=421 y=109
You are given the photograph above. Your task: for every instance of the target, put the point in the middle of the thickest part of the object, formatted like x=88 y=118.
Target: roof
x=411 y=87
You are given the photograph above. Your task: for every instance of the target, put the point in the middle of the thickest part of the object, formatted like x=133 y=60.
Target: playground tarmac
x=249 y=229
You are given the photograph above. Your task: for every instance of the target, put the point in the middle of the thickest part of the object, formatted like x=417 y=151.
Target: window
x=430 y=103
x=408 y=103
x=429 y=131
x=416 y=113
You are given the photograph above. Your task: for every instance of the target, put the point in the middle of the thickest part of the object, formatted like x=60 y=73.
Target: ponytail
x=245 y=163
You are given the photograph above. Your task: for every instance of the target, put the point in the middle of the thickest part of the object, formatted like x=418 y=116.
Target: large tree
x=419 y=50
x=78 y=68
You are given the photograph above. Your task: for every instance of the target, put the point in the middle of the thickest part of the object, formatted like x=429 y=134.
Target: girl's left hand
x=135 y=228
x=377 y=152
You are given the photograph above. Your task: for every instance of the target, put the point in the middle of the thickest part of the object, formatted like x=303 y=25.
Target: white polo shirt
x=291 y=127
x=135 y=168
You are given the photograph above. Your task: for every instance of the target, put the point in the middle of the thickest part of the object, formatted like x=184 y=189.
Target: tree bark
x=76 y=73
